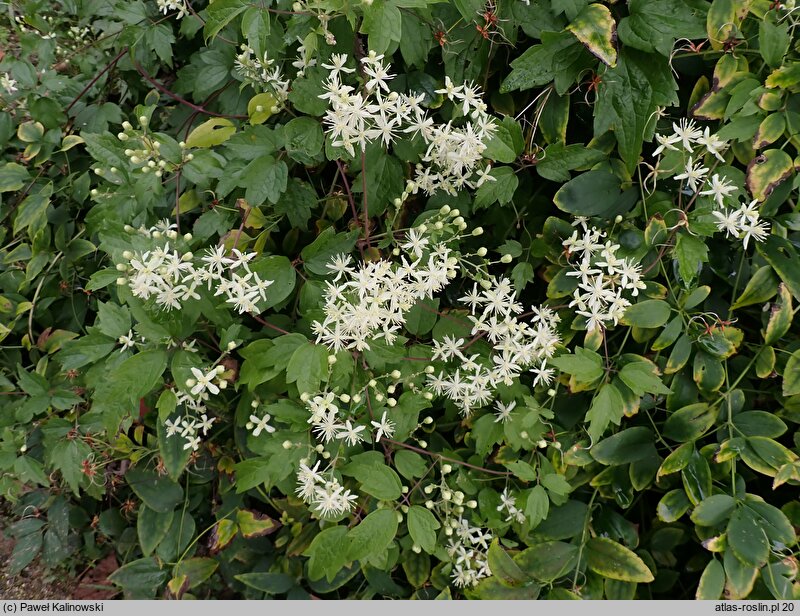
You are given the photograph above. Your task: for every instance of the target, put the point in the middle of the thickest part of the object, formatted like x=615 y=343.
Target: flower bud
x=429 y=369
x=618 y=218
x=416 y=549
x=122 y=136
x=551 y=392
x=391 y=389
x=372 y=383
x=428 y=489
x=287 y=444
x=430 y=504
x=482 y=251
x=428 y=420
x=143 y=121
x=423 y=444
x=127 y=125
x=523 y=434
x=455 y=213
x=190 y=382
x=379 y=397
x=542 y=444
x=331 y=359
x=472 y=504
x=304 y=397
x=438 y=225
x=223 y=384
x=356 y=398
x=187 y=237
x=121 y=267
x=428 y=395
x=231 y=345
x=391 y=402
x=254 y=404
x=477 y=231
x=506 y=259
x=398 y=202
x=122 y=281
x=94 y=192
x=458 y=220
x=326 y=455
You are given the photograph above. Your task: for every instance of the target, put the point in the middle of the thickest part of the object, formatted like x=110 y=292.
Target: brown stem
x=163 y=89
x=107 y=68
x=441 y=457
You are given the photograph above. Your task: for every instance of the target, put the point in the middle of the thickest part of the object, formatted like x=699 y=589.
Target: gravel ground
x=35 y=582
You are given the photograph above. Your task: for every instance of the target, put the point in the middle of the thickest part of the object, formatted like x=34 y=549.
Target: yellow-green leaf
x=210 y=133
x=724 y=19
x=615 y=561
x=255 y=524
x=769 y=131
x=766 y=171
x=780 y=317
x=786 y=77
x=596 y=29
x=260 y=107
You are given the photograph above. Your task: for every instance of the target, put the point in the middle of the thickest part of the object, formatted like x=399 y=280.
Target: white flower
x=205 y=423
x=694 y=174
x=665 y=142
x=204 y=382
x=173 y=427
x=126 y=340
x=713 y=144
x=8 y=84
x=257 y=425
x=192 y=443
x=350 y=434
x=384 y=427
x=720 y=188
x=503 y=413
x=687 y=132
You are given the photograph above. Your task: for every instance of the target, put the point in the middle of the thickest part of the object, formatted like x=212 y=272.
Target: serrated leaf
x=372 y=535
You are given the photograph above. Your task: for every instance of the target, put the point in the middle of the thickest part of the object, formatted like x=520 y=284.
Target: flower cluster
x=368 y=301
x=508 y=504
x=742 y=221
x=8 y=84
x=468 y=545
x=165 y=6
x=261 y=74
x=516 y=346
x=322 y=490
x=171 y=277
x=604 y=278
x=146 y=155
x=454 y=152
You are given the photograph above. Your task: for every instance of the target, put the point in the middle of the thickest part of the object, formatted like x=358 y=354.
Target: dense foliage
x=403 y=298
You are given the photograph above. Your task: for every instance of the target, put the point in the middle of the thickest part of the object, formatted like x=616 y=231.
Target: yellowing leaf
x=596 y=29
x=210 y=133
x=766 y=171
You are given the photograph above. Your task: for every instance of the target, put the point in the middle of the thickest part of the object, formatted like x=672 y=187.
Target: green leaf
x=113 y=320
x=696 y=476
x=159 y=493
x=409 y=464
x=327 y=245
x=713 y=510
x=691 y=252
x=384 y=25
x=422 y=525
x=279 y=270
x=791 y=375
x=596 y=29
x=270 y=583
x=500 y=191
x=642 y=377
x=376 y=479
x=264 y=180
x=647 y=313
x=307 y=367
x=504 y=567
x=712 y=582
x=152 y=526
x=766 y=171
x=624 y=447
x=560 y=58
x=672 y=506
x=12 y=177
x=783 y=258
x=585 y=365
x=594 y=193
x=614 y=561
x=384 y=180
x=747 y=538
x=654 y=25
x=197 y=570
x=690 y=422
x=627 y=97
x=559 y=159
x=606 y=409
x=31 y=212
x=326 y=554
x=763 y=284
x=142 y=577
x=219 y=14
x=373 y=535
x=537 y=506
x=548 y=561
x=773 y=41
